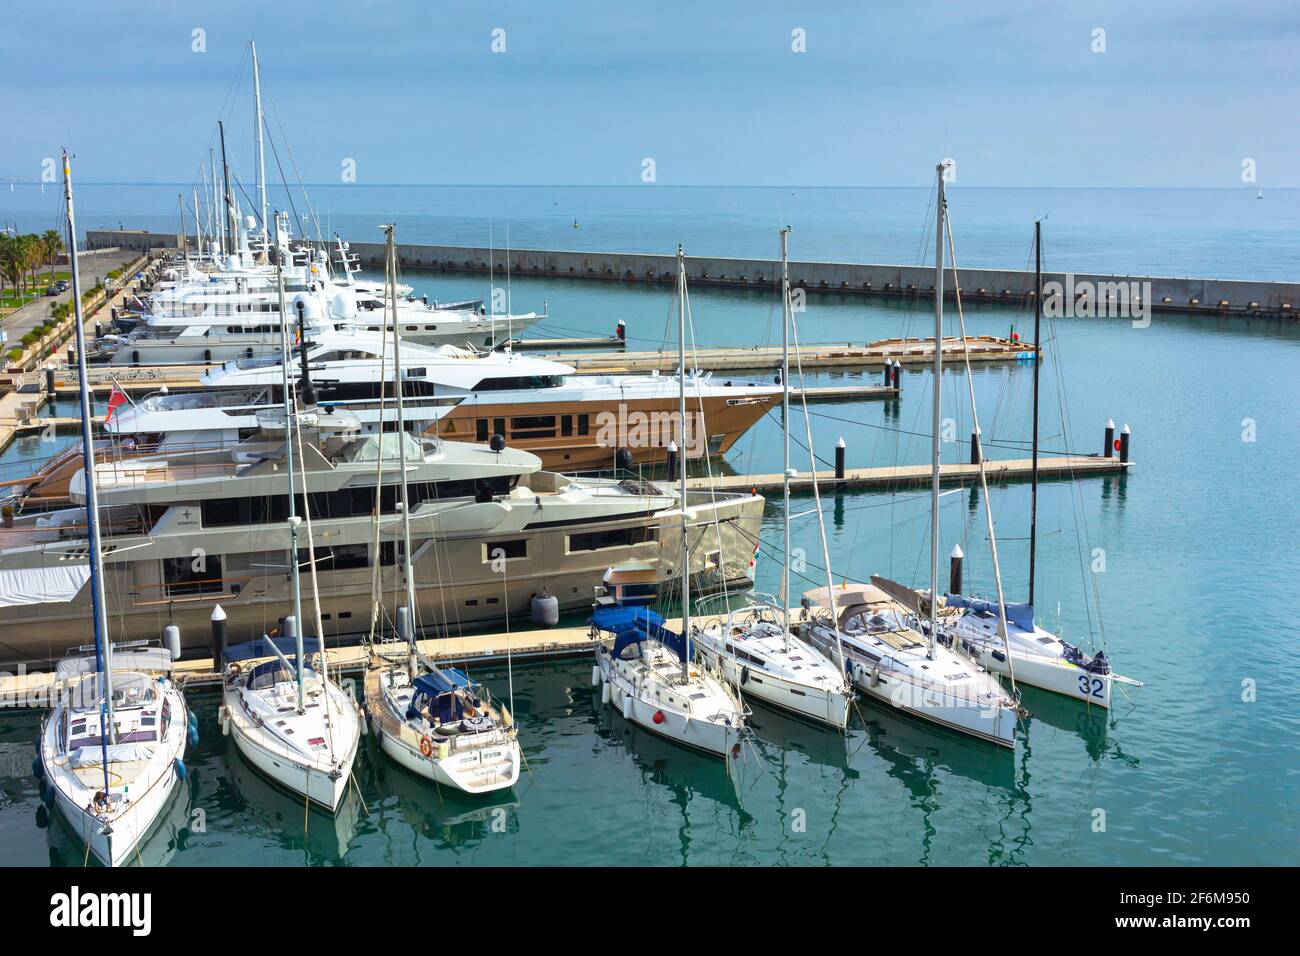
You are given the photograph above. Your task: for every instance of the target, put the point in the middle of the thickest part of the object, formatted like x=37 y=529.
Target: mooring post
x=840 y=449
x=954 y=570
x=975 y=447
x=672 y=458
x=1109 y=450
x=218 y=637
x=1124 y=436
x=889 y=374
x=898 y=375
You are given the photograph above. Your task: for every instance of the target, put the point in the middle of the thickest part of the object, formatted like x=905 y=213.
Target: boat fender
x=595 y=675
x=604 y=693
x=659 y=717
x=744 y=678
x=42 y=817
x=194 y=720
x=38 y=769
x=181 y=772
x=193 y=736
x=47 y=797
x=444 y=749
x=426 y=746
x=627 y=706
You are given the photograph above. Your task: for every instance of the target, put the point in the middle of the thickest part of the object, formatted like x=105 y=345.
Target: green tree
x=51 y=246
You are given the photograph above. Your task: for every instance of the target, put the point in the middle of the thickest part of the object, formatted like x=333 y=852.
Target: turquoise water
x=1199 y=555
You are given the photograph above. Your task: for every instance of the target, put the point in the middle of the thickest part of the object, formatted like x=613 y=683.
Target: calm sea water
x=1225 y=233
x=1194 y=550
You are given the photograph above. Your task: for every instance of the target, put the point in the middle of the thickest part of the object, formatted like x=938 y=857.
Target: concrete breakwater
x=1079 y=293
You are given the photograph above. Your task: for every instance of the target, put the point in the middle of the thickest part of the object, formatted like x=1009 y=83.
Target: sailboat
x=649 y=672
x=287 y=717
x=434 y=722
x=111 y=749
x=889 y=637
x=1012 y=643
x=754 y=649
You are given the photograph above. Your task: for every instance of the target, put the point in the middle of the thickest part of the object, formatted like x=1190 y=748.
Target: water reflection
x=411 y=812
x=169 y=837
x=255 y=807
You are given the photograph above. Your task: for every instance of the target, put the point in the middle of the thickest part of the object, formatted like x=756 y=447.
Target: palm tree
x=10 y=260
x=52 y=245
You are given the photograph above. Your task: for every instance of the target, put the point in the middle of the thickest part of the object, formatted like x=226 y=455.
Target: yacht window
x=510 y=550
x=614 y=538
x=584 y=427
x=339 y=557
x=566 y=425
x=187 y=576
x=533 y=426
x=481 y=430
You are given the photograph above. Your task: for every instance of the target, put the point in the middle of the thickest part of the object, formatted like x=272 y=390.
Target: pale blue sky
x=710 y=90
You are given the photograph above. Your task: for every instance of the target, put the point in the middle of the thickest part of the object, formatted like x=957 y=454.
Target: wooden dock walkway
x=907 y=352
x=32 y=689
x=912 y=476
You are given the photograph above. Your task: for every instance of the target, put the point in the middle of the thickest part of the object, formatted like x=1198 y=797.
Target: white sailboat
x=287 y=717
x=434 y=722
x=1004 y=637
x=754 y=649
x=112 y=746
x=649 y=671
x=890 y=647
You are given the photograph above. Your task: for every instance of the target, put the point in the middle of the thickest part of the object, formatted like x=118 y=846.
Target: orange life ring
x=426 y=746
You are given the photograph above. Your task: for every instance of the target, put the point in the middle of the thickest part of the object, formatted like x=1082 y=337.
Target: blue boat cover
x=261 y=647
x=632 y=625
x=1021 y=615
x=435 y=683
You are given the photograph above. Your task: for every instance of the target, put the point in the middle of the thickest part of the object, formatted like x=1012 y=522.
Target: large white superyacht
x=184 y=531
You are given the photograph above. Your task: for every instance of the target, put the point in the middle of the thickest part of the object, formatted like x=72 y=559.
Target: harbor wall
x=1194 y=296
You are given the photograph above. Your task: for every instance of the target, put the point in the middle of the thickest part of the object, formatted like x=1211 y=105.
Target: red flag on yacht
x=116 y=398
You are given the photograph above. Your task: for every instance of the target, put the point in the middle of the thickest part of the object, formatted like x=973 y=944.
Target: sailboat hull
x=816 y=704
x=714 y=738
x=1058 y=676
x=996 y=725
x=475 y=772
x=115 y=842
x=320 y=781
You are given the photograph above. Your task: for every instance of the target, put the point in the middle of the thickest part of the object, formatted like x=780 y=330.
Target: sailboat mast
x=1033 y=479
x=185 y=236
x=198 y=235
x=407 y=565
x=99 y=605
x=681 y=409
x=214 y=223
x=261 y=154
x=785 y=434
x=935 y=422
x=288 y=452
x=231 y=222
